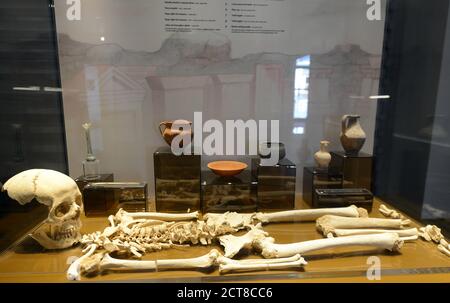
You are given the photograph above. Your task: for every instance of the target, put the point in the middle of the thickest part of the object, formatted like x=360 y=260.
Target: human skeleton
x=140 y=233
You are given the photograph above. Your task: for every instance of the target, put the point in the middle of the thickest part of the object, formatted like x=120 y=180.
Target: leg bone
x=404 y=234
x=328 y=223
x=309 y=214
x=281 y=263
x=269 y=249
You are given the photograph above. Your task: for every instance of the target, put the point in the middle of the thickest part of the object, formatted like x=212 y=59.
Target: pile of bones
x=139 y=233
x=135 y=234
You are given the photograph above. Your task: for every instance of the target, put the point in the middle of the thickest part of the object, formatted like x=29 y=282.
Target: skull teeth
x=65 y=234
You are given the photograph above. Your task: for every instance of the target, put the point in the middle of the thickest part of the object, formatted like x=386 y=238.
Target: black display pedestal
x=97 y=203
x=342 y=197
x=275 y=184
x=82 y=181
x=222 y=194
x=177 y=181
x=316 y=178
x=356 y=169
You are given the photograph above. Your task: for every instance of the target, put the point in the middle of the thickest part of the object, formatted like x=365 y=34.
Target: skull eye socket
x=62 y=209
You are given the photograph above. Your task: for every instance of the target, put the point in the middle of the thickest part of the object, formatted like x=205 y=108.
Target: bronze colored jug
x=352 y=135
x=165 y=128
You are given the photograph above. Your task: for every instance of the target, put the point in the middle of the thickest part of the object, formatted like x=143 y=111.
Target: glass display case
x=217 y=141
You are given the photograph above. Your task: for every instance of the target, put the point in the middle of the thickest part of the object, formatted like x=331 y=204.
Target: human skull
x=63 y=198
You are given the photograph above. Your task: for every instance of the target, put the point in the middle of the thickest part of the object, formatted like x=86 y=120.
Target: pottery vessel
x=267 y=148
x=227 y=168
x=323 y=157
x=352 y=135
x=165 y=128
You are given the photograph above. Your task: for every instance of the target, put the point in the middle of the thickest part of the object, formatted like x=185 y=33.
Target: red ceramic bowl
x=227 y=168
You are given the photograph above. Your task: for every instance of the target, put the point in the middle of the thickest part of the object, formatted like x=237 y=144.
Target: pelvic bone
x=234 y=244
x=60 y=193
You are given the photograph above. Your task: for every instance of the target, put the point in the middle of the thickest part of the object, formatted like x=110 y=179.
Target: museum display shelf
x=28 y=262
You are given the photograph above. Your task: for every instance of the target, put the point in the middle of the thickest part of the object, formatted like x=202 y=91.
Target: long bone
x=101 y=262
x=310 y=214
x=73 y=273
x=328 y=223
x=240 y=221
x=269 y=249
x=259 y=240
x=124 y=216
x=205 y=261
x=230 y=265
x=410 y=234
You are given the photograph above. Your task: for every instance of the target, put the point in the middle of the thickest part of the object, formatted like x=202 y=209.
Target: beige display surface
x=419 y=261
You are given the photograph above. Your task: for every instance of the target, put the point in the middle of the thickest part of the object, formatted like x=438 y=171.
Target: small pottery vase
x=323 y=157
x=165 y=128
x=352 y=135
x=267 y=148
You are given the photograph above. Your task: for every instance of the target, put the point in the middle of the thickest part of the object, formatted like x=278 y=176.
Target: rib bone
x=328 y=223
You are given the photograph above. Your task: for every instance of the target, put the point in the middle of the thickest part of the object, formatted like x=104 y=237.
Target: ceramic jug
x=165 y=128
x=352 y=135
x=323 y=157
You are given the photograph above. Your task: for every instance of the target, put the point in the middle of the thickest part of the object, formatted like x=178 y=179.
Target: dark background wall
x=31 y=123
x=409 y=125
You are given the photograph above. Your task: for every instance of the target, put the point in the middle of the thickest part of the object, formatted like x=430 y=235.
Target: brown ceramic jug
x=352 y=135
x=165 y=128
